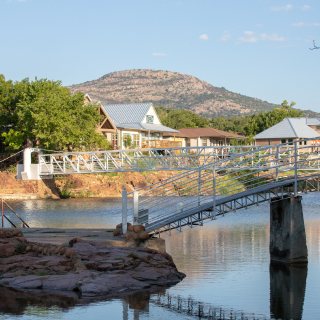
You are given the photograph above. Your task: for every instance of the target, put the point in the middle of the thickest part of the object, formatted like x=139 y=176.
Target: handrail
x=3 y=215
x=237 y=173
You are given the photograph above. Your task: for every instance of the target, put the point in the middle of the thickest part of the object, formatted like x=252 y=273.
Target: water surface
x=226 y=262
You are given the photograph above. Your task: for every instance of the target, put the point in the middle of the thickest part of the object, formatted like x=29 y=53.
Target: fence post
x=2 y=211
x=199 y=185
x=124 y=210
x=295 y=169
x=214 y=192
x=135 y=206
x=278 y=162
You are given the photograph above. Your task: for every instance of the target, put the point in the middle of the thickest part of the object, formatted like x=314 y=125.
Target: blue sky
x=258 y=48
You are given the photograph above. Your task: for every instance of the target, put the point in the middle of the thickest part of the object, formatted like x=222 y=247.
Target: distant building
x=139 y=120
x=289 y=130
x=202 y=137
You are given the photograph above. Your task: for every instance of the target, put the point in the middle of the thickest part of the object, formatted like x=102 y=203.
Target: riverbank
x=87 y=267
x=103 y=185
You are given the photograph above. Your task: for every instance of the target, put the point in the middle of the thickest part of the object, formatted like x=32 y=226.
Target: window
x=157 y=136
x=290 y=141
x=136 y=140
x=283 y=140
x=144 y=136
x=220 y=142
x=204 y=142
x=114 y=140
x=149 y=119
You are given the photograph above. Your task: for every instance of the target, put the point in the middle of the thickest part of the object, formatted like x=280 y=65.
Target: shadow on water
x=287 y=290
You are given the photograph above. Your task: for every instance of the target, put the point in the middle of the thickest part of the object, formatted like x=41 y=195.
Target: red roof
x=204 y=132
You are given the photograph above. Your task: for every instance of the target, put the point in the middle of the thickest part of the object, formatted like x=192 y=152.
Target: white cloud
x=284 y=8
x=249 y=37
x=302 y=24
x=158 y=54
x=226 y=36
x=204 y=37
x=305 y=7
x=271 y=37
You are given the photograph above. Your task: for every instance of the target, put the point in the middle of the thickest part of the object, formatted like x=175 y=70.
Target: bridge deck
x=208 y=206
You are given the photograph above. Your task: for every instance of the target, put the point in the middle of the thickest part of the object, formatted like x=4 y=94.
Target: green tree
x=47 y=115
x=262 y=121
x=178 y=119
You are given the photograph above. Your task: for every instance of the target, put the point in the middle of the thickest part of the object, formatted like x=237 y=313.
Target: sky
x=259 y=48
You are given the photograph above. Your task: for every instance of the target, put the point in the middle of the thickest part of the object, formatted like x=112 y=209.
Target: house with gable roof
x=289 y=130
x=139 y=120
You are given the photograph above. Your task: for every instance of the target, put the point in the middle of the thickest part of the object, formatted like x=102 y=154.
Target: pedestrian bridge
x=169 y=159
x=229 y=183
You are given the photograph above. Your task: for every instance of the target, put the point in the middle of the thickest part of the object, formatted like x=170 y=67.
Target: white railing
x=163 y=159
x=241 y=172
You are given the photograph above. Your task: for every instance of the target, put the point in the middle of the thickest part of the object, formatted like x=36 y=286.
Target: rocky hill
x=172 y=90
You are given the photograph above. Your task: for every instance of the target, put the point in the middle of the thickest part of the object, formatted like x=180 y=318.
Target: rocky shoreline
x=103 y=185
x=84 y=267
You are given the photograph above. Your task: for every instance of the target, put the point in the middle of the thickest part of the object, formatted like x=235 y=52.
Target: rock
x=130 y=228
x=58 y=250
x=119 y=226
x=136 y=237
x=144 y=235
x=116 y=232
x=62 y=251
x=127 y=236
x=21 y=239
x=15 y=232
x=142 y=227
x=136 y=229
x=45 y=251
x=40 y=249
x=7 y=249
x=8 y=234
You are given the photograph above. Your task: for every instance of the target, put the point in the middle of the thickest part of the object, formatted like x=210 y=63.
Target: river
x=226 y=262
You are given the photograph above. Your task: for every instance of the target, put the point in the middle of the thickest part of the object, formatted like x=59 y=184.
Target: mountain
x=172 y=90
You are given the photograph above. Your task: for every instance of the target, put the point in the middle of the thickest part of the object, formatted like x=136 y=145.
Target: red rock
x=127 y=236
x=144 y=235
x=8 y=234
x=62 y=251
x=116 y=232
x=136 y=229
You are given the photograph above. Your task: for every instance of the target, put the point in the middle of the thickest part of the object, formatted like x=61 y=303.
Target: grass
x=132 y=255
x=31 y=231
x=109 y=230
x=92 y=235
x=41 y=274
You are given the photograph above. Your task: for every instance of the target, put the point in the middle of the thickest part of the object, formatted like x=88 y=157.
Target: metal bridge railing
x=159 y=159
x=197 y=188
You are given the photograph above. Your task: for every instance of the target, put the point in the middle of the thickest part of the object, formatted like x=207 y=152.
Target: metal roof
x=127 y=113
x=291 y=128
x=130 y=116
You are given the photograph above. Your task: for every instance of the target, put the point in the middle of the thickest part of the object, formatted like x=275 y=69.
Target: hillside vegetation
x=172 y=90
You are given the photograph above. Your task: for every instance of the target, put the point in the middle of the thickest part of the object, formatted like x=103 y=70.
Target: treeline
x=249 y=125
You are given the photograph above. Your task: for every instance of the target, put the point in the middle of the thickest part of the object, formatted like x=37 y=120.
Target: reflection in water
x=287 y=290
x=226 y=263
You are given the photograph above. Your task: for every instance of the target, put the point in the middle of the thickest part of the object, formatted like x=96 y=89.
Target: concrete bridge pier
x=287 y=232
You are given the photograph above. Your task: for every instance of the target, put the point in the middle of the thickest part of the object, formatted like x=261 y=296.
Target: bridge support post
x=135 y=207
x=287 y=232
x=124 y=210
